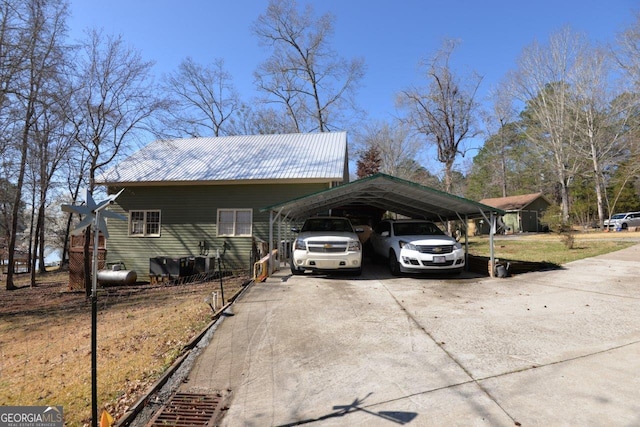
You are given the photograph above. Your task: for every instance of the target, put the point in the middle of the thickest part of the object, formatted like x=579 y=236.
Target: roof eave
x=322 y=180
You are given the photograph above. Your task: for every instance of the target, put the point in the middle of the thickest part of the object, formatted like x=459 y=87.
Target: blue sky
x=391 y=36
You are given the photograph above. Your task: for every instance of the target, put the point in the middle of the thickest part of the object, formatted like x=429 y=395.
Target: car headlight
x=408 y=246
x=458 y=245
x=300 y=244
x=354 y=246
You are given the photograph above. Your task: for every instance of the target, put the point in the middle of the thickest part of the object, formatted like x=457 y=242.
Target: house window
x=235 y=222
x=144 y=223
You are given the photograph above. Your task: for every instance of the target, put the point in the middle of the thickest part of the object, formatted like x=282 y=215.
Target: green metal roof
x=389 y=193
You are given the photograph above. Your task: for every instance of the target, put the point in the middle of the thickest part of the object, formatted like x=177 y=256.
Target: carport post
x=492 y=231
x=465 y=225
x=272 y=220
x=270 y=242
x=466 y=242
x=279 y=244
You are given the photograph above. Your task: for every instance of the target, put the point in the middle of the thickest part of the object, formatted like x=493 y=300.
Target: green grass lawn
x=550 y=247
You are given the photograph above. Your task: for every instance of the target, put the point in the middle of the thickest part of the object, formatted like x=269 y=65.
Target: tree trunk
x=448 y=183
x=448 y=176
x=41 y=241
x=598 y=185
x=503 y=163
x=33 y=252
x=564 y=195
x=64 y=261
x=65 y=248
x=13 y=237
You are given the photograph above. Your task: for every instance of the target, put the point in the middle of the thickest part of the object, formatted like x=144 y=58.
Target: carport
x=388 y=193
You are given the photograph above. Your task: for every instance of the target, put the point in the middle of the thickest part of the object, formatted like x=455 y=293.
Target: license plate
x=439 y=259
x=327 y=264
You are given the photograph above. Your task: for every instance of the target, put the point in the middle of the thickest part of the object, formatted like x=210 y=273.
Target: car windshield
x=327 y=224
x=416 y=229
x=618 y=216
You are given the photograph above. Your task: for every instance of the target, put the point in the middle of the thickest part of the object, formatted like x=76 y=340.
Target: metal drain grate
x=188 y=409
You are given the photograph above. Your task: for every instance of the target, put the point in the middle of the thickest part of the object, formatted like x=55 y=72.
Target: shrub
x=568 y=238
x=552 y=217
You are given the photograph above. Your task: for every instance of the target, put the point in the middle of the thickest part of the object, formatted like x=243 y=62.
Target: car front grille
x=437 y=264
x=326 y=247
x=435 y=250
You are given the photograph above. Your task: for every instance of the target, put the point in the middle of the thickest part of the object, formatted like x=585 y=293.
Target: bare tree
x=624 y=173
x=443 y=111
x=627 y=52
x=76 y=167
x=114 y=97
x=259 y=120
x=396 y=148
x=52 y=142
x=42 y=28
x=203 y=99
x=543 y=82
x=604 y=115
x=499 y=123
x=12 y=53
x=304 y=75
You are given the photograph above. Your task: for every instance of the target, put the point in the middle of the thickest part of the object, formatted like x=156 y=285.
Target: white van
x=622 y=221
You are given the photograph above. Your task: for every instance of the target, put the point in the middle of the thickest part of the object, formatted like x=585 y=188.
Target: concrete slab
x=548 y=348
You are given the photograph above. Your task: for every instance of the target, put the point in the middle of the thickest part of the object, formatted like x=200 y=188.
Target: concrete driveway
x=548 y=348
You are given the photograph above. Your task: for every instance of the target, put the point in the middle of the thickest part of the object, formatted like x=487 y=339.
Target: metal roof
x=514 y=203
x=314 y=156
x=388 y=193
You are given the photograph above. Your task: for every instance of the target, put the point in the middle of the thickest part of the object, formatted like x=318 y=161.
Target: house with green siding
x=523 y=212
x=199 y=197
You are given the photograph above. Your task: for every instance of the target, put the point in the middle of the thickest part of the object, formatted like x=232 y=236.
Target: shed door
x=530 y=221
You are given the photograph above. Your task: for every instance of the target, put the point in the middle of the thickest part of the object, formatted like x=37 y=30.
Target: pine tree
x=369 y=162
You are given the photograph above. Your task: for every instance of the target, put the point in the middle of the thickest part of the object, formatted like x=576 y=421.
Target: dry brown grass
x=45 y=342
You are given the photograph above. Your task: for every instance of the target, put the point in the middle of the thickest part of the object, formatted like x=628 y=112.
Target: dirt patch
x=45 y=333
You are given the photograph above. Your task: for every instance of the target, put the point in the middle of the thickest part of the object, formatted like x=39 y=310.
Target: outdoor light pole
x=94 y=322
x=92 y=212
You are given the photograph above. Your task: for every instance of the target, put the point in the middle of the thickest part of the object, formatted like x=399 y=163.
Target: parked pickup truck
x=326 y=244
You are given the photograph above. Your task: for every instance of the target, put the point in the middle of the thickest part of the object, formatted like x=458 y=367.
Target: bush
x=568 y=238
x=552 y=217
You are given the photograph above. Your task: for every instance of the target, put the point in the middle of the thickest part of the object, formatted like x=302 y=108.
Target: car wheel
x=358 y=272
x=624 y=225
x=295 y=271
x=394 y=265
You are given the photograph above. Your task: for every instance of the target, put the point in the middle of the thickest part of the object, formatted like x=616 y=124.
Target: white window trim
x=235 y=233
x=144 y=223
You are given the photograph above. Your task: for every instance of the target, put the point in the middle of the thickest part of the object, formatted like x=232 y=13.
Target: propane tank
x=117 y=276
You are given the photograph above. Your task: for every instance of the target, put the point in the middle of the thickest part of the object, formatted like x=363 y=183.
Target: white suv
x=416 y=246
x=326 y=244
x=622 y=221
